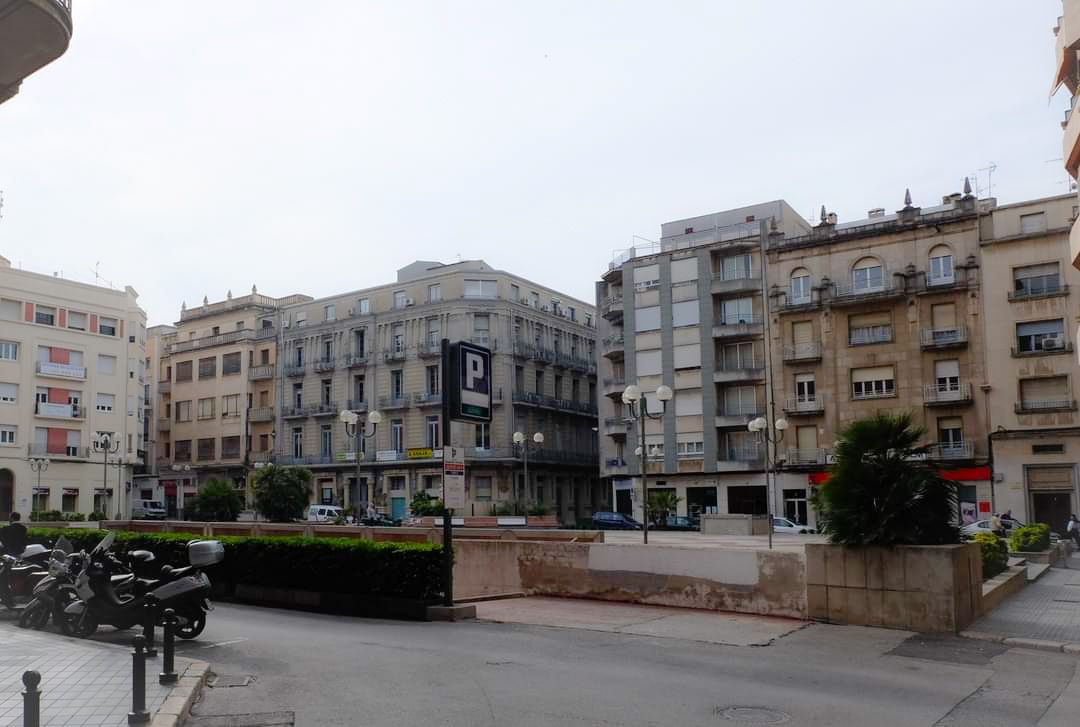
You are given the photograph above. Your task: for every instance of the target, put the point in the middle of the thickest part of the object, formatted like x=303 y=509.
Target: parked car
x=147 y=510
x=324 y=513
x=678 y=522
x=983 y=526
x=783 y=525
x=614 y=521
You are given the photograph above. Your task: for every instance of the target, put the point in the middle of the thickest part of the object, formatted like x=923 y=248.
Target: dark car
x=678 y=522
x=614 y=521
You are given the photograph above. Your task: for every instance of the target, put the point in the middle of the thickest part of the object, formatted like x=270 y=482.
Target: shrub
x=74 y=517
x=880 y=492
x=97 y=515
x=995 y=555
x=1030 y=538
x=282 y=493
x=424 y=504
x=217 y=501
x=46 y=516
x=510 y=507
x=338 y=565
x=660 y=505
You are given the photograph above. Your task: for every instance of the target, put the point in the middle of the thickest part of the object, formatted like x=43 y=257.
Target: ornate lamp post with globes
x=760 y=427
x=107 y=444
x=352 y=429
x=521 y=441
x=637 y=409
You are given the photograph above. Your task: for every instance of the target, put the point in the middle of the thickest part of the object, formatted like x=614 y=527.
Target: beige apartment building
x=147 y=482
x=216 y=393
x=71 y=368
x=1030 y=303
x=379 y=349
x=1067 y=73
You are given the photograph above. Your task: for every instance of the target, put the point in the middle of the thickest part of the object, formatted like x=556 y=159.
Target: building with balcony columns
x=33 y=33
x=216 y=392
x=379 y=349
x=1030 y=302
x=71 y=367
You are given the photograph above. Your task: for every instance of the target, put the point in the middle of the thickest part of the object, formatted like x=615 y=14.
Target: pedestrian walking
x=995 y=526
x=1073 y=529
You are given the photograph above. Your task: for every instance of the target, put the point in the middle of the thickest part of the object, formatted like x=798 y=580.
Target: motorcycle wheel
x=35 y=615
x=79 y=625
x=196 y=622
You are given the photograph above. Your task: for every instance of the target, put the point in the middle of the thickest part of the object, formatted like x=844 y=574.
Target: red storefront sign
x=960 y=474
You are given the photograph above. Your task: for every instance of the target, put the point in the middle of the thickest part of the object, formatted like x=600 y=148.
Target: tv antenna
x=98 y=280
x=989 y=170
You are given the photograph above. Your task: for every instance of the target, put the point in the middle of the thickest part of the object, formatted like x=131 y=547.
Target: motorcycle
x=185 y=590
x=19 y=575
x=56 y=590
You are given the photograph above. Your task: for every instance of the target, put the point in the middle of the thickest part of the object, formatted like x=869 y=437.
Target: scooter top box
x=202 y=553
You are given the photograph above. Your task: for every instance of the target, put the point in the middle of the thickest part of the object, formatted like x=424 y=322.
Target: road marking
x=223 y=643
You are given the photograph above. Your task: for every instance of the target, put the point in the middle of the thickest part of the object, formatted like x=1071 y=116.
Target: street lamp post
x=352 y=429
x=107 y=444
x=760 y=427
x=522 y=441
x=186 y=469
x=637 y=409
x=39 y=465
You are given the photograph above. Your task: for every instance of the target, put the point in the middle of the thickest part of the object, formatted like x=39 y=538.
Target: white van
x=147 y=510
x=324 y=513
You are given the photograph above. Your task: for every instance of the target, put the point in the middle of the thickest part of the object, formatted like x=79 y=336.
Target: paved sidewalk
x=82 y=682
x=1047 y=610
x=714 y=627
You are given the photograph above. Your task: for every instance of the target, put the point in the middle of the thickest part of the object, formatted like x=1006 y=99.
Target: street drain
x=220 y=681
x=753 y=715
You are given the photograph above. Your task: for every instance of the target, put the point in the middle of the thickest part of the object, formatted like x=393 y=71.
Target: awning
x=170 y=489
x=71 y=491
x=107 y=491
x=41 y=490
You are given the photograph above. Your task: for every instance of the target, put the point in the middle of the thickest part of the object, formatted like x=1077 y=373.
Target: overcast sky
x=196 y=147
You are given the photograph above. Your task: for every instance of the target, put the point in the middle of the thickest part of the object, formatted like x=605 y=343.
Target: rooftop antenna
x=989 y=179
x=1 y=204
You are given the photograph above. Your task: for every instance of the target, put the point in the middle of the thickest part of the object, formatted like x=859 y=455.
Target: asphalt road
x=339 y=671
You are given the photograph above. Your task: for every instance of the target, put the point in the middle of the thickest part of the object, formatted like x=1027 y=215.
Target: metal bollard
x=149 y=620
x=168 y=668
x=138 y=713
x=31 y=699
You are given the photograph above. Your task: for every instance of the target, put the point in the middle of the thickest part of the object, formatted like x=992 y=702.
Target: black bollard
x=168 y=668
x=149 y=619
x=138 y=713
x=31 y=699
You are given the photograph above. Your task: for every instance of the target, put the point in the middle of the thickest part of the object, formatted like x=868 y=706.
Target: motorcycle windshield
x=105 y=544
x=58 y=559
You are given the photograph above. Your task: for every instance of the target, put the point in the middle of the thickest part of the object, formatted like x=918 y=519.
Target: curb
x=175 y=709
x=1022 y=643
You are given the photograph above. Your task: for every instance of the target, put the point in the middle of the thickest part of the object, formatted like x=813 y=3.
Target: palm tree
x=882 y=491
x=660 y=505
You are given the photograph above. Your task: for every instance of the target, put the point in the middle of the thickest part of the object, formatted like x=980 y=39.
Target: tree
x=218 y=501
x=882 y=491
x=660 y=505
x=424 y=504
x=282 y=493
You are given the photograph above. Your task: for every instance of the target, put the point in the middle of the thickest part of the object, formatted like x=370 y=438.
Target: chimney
x=951 y=198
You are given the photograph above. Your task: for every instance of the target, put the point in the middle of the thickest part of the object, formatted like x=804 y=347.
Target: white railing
x=870 y=334
x=806 y=456
x=850 y=291
x=938 y=393
x=1035 y=405
x=944 y=336
x=66 y=411
x=67 y=371
x=805 y=403
x=952 y=450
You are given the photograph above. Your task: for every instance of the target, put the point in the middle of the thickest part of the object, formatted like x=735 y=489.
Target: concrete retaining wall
x=1001 y=586
x=744 y=581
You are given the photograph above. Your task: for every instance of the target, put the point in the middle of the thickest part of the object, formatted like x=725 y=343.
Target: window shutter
x=802 y=332
x=1049 y=388
x=876 y=373
x=945 y=369
x=866 y=320
x=943 y=316
x=807 y=437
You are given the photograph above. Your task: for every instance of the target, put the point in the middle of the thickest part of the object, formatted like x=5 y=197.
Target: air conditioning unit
x=524 y=300
x=1053 y=343
x=409 y=301
x=545 y=308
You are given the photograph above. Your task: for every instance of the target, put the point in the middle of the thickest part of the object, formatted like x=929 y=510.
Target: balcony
x=1052 y=288
x=210 y=341
x=947 y=451
x=1046 y=347
x=66 y=453
x=324 y=409
x=615 y=426
x=164 y=424
x=611 y=386
x=795 y=305
x=1066 y=42
x=394 y=355
x=736 y=417
x=550 y=402
x=294 y=412
x=936 y=339
x=323 y=365
x=428 y=399
x=740 y=459
x=1044 y=406
x=1071 y=141
x=613 y=347
x=288 y=460
x=265 y=333
x=356 y=360
x=870 y=335
x=164 y=387
x=61 y=371
x=615 y=466
x=802 y=352
x=295 y=370
x=259 y=373
x=805 y=405
x=612 y=308
x=850 y=294
x=542 y=356
x=739 y=372
x=806 y=458
x=748 y=325
x=401 y=401
x=262 y=414
x=720 y=286
x=1074 y=243
x=49 y=410
x=33 y=34
x=356 y=405
x=430 y=349
x=954 y=394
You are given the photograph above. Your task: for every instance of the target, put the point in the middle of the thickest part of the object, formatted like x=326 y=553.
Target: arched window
x=868 y=275
x=800 y=286
x=941 y=266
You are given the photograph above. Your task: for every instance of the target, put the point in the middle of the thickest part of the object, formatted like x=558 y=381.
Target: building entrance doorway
x=623 y=502
x=795 y=506
x=1053 y=509
x=747 y=500
x=7 y=494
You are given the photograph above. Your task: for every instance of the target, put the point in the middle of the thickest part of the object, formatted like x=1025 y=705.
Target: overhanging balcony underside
x=33 y=34
x=613 y=386
x=802 y=353
x=723 y=375
x=549 y=402
x=613 y=348
x=740 y=459
x=936 y=339
x=720 y=286
x=735 y=418
x=740 y=328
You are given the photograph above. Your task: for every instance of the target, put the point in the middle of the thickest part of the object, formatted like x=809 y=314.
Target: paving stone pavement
x=1048 y=609
x=82 y=682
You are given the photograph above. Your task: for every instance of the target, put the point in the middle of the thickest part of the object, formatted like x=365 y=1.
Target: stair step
x=1017 y=561
x=1035 y=571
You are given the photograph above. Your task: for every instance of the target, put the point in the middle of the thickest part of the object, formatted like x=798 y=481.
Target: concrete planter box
x=734 y=525
x=1001 y=586
x=927 y=588
x=1045 y=557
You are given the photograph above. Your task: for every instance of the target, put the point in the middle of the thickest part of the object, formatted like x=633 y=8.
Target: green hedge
x=1030 y=539
x=334 y=565
x=995 y=555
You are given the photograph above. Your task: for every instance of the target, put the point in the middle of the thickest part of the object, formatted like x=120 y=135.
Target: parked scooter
x=185 y=590
x=56 y=590
x=19 y=575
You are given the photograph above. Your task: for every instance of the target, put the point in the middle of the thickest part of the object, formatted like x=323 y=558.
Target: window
x=805 y=389
x=183 y=371
x=873 y=383
x=646 y=277
x=868 y=276
x=397 y=384
x=358 y=388
x=399 y=298
x=8 y=435
x=941 y=266
x=687 y=403
x=298 y=359
x=183 y=411
x=433 y=432
x=695 y=448
x=397 y=338
x=230 y=405
x=736 y=267
x=358 y=341
x=482 y=327
x=328 y=349
x=397 y=435
x=230 y=447
x=432 y=378
x=106 y=365
x=264 y=357
x=9 y=351
x=326 y=440
x=648 y=363
x=9 y=393
x=736 y=356
x=329 y=312
x=105 y=402
x=434 y=293
x=45 y=315
x=206 y=449
x=301 y=319
x=206 y=409
x=483 y=487
x=230 y=363
x=558 y=386
x=10 y=310
x=76 y=321
x=740 y=400
x=298 y=396
x=800 y=287
x=539 y=381
x=1032 y=280
x=326 y=391
x=434 y=333
x=363 y=306
x=264 y=442
x=951 y=433
x=480 y=289
x=1031 y=224
x=869 y=328
x=737 y=310
x=107 y=326
x=41 y=499
x=1047 y=392
x=483 y=436
x=183 y=450
x=207 y=368
x=684 y=270
x=686 y=313
x=1040 y=336
x=239 y=325
x=298 y=442
x=947 y=376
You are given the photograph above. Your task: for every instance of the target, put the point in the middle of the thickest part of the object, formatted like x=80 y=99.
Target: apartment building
x=1067 y=74
x=147 y=482
x=71 y=368
x=690 y=312
x=1031 y=302
x=379 y=349
x=216 y=393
